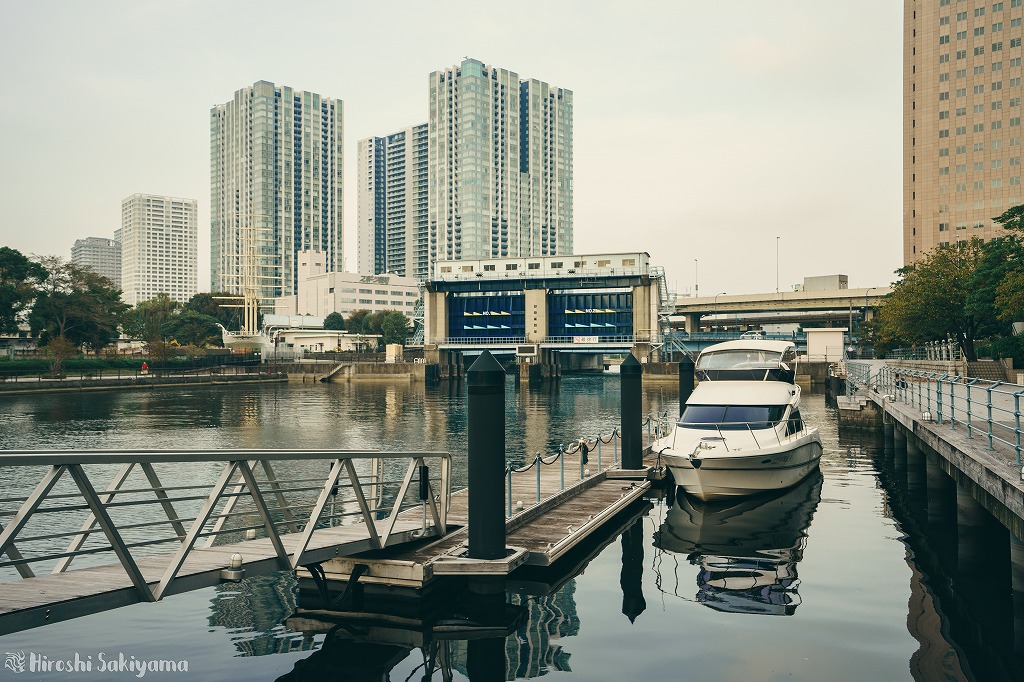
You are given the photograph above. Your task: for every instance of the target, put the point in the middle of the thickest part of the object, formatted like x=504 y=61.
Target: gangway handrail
x=237 y=480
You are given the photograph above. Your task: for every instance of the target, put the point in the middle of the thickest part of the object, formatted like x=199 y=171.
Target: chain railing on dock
x=138 y=515
x=586 y=447
x=989 y=409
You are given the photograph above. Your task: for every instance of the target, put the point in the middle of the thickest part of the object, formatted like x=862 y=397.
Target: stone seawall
x=130 y=383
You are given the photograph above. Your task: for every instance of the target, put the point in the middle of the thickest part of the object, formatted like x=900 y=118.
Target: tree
x=59 y=351
x=334 y=321
x=214 y=306
x=76 y=304
x=146 y=320
x=997 y=259
x=931 y=301
x=19 y=282
x=190 y=328
x=1009 y=292
x=394 y=327
x=357 y=322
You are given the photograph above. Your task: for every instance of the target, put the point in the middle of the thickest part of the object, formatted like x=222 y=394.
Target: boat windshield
x=731 y=416
x=746 y=358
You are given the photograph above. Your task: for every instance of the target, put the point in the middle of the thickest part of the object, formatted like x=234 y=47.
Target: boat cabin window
x=739 y=359
x=731 y=416
x=795 y=423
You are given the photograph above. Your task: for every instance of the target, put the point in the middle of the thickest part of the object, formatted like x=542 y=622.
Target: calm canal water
x=836 y=579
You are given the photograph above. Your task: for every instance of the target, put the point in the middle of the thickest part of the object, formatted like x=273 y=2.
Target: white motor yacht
x=740 y=432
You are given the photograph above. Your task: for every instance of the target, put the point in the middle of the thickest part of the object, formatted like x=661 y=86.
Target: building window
x=489 y=267
x=943 y=227
x=511 y=266
x=533 y=266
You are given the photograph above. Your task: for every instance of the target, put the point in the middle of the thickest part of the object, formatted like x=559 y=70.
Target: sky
x=705 y=133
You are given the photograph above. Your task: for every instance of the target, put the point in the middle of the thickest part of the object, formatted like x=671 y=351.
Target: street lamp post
x=696 y=281
x=777 y=264
x=715 y=306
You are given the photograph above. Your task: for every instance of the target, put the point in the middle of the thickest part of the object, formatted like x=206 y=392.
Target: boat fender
x=695 y=462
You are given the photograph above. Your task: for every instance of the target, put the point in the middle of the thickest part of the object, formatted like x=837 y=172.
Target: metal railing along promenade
x=163 y=504
x=989 y=410
x=949 y=351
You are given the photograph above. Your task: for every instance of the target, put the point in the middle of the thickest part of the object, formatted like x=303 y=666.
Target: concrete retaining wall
x=128 y=383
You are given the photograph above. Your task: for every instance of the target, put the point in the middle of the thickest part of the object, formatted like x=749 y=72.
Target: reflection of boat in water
x=746 y=549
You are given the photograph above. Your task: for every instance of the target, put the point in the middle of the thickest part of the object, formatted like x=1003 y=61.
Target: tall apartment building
x=158 y=237
x=500 y=165
x=99 y=254
x=961 y=119
x=393 y=203
x=371 y=202
x=276 y=171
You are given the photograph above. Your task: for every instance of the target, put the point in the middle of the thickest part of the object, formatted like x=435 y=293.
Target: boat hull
x=746 y=473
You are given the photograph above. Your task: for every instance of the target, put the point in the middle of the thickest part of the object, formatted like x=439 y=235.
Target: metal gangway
x=186 y=519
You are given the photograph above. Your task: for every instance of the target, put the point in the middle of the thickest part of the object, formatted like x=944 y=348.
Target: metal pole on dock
x=686 y=373
x=631 y=397
x=486 y=416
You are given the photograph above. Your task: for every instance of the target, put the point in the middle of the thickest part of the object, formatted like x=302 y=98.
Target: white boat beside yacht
x=740 y=432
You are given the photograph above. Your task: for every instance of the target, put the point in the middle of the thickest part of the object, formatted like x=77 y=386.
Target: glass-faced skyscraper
x=961 y=119
x=500 y=165
x=392 y=209
x=275 y=187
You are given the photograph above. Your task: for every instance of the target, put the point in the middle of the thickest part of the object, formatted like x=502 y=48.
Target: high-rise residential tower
x=371 y=216
x=500 y=165
x=99 y=254
x=961 y=119
x=275 y=187
x=158 y=237
x=393 y=203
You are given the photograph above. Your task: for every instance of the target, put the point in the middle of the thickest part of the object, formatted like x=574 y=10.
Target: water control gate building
x=548 y=308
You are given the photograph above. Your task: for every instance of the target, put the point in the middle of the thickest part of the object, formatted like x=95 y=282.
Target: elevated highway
x=785 y=306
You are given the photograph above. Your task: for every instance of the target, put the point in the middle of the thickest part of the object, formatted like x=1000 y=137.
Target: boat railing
x=793 y=428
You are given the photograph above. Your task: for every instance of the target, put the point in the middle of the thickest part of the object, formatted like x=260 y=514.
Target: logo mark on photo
x=14 y=661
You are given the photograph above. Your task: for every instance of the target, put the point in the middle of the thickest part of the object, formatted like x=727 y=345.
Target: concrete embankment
x=989 y=473
x=311 y=372
x=131 y=383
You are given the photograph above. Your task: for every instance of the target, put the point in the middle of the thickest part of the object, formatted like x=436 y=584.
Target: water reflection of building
x=747 y=550
x=533 y=650
x=253 y=612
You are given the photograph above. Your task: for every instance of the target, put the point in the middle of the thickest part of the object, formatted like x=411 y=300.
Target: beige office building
x=961 y=119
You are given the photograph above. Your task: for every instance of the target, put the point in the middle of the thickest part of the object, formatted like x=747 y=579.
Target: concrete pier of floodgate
x=990 y=474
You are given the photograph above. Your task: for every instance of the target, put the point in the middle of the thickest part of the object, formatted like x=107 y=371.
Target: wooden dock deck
x=539 y=534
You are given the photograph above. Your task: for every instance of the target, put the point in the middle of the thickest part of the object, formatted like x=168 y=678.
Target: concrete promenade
x=991 y=473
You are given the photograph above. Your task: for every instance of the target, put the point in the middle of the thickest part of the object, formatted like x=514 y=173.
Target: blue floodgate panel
x=590 y=314
x=491 y=316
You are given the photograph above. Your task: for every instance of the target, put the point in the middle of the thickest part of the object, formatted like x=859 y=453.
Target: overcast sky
x=703 y=130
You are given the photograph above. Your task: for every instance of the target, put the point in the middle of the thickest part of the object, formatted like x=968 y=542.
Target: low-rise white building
x=321 y=293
